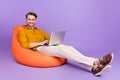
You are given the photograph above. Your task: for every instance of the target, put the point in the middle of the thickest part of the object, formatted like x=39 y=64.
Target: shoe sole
x=112 y=58
x=104 y=70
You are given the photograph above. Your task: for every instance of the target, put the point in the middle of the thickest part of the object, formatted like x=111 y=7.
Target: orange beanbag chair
x=32 y=58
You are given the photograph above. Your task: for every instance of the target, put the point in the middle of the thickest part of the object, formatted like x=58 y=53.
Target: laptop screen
x=57 y=38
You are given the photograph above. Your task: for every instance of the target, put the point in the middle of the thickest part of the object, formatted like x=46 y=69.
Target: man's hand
x=45 y=42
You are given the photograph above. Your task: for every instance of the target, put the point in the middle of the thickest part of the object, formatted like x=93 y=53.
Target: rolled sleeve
x=23 y=39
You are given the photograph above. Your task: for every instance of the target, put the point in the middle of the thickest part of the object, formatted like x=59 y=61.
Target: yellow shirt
x=27 y=36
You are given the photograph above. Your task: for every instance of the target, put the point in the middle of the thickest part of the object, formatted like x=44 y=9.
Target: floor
x=11 y=70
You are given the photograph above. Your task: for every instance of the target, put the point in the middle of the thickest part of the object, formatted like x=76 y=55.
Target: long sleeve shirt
x=27 y=36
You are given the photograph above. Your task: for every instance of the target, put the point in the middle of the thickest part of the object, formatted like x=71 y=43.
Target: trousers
x=70 y=53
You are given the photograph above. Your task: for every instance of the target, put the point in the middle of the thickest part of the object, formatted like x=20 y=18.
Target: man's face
x=31 y=20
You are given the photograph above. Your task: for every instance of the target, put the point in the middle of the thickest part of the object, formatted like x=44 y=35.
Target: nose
x=31 y=21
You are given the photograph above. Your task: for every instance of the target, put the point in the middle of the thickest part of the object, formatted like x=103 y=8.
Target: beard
x=31 y=25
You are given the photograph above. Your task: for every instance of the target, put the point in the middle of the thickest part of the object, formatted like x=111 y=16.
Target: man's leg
x=98 y=67
x=69 y=53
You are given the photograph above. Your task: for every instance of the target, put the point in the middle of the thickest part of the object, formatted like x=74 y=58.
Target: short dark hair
x=31 y=13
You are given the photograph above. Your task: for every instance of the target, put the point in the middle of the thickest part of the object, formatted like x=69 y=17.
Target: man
x=33 y=38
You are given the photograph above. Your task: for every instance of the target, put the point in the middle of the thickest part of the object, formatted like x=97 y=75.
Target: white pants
x=68 y=52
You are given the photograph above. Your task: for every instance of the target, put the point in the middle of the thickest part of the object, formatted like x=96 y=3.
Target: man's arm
x=25 y=42
x=23 y=39
x=32 y=45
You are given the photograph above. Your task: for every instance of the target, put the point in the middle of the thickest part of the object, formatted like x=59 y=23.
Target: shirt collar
x=30 y=28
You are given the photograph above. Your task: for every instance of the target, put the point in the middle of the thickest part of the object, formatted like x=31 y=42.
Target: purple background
x=93 y=27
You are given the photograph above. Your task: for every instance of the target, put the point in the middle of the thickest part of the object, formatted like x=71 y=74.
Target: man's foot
x=101 y=69
x=106 y=59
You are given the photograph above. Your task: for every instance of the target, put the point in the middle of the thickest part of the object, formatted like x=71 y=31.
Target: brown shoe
x=101 y=69
x=106 y=59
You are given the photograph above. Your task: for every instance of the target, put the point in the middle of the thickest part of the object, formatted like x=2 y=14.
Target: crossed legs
x=70 y=53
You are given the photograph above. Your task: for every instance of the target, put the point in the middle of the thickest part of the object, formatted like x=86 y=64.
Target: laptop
x=56 y=38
